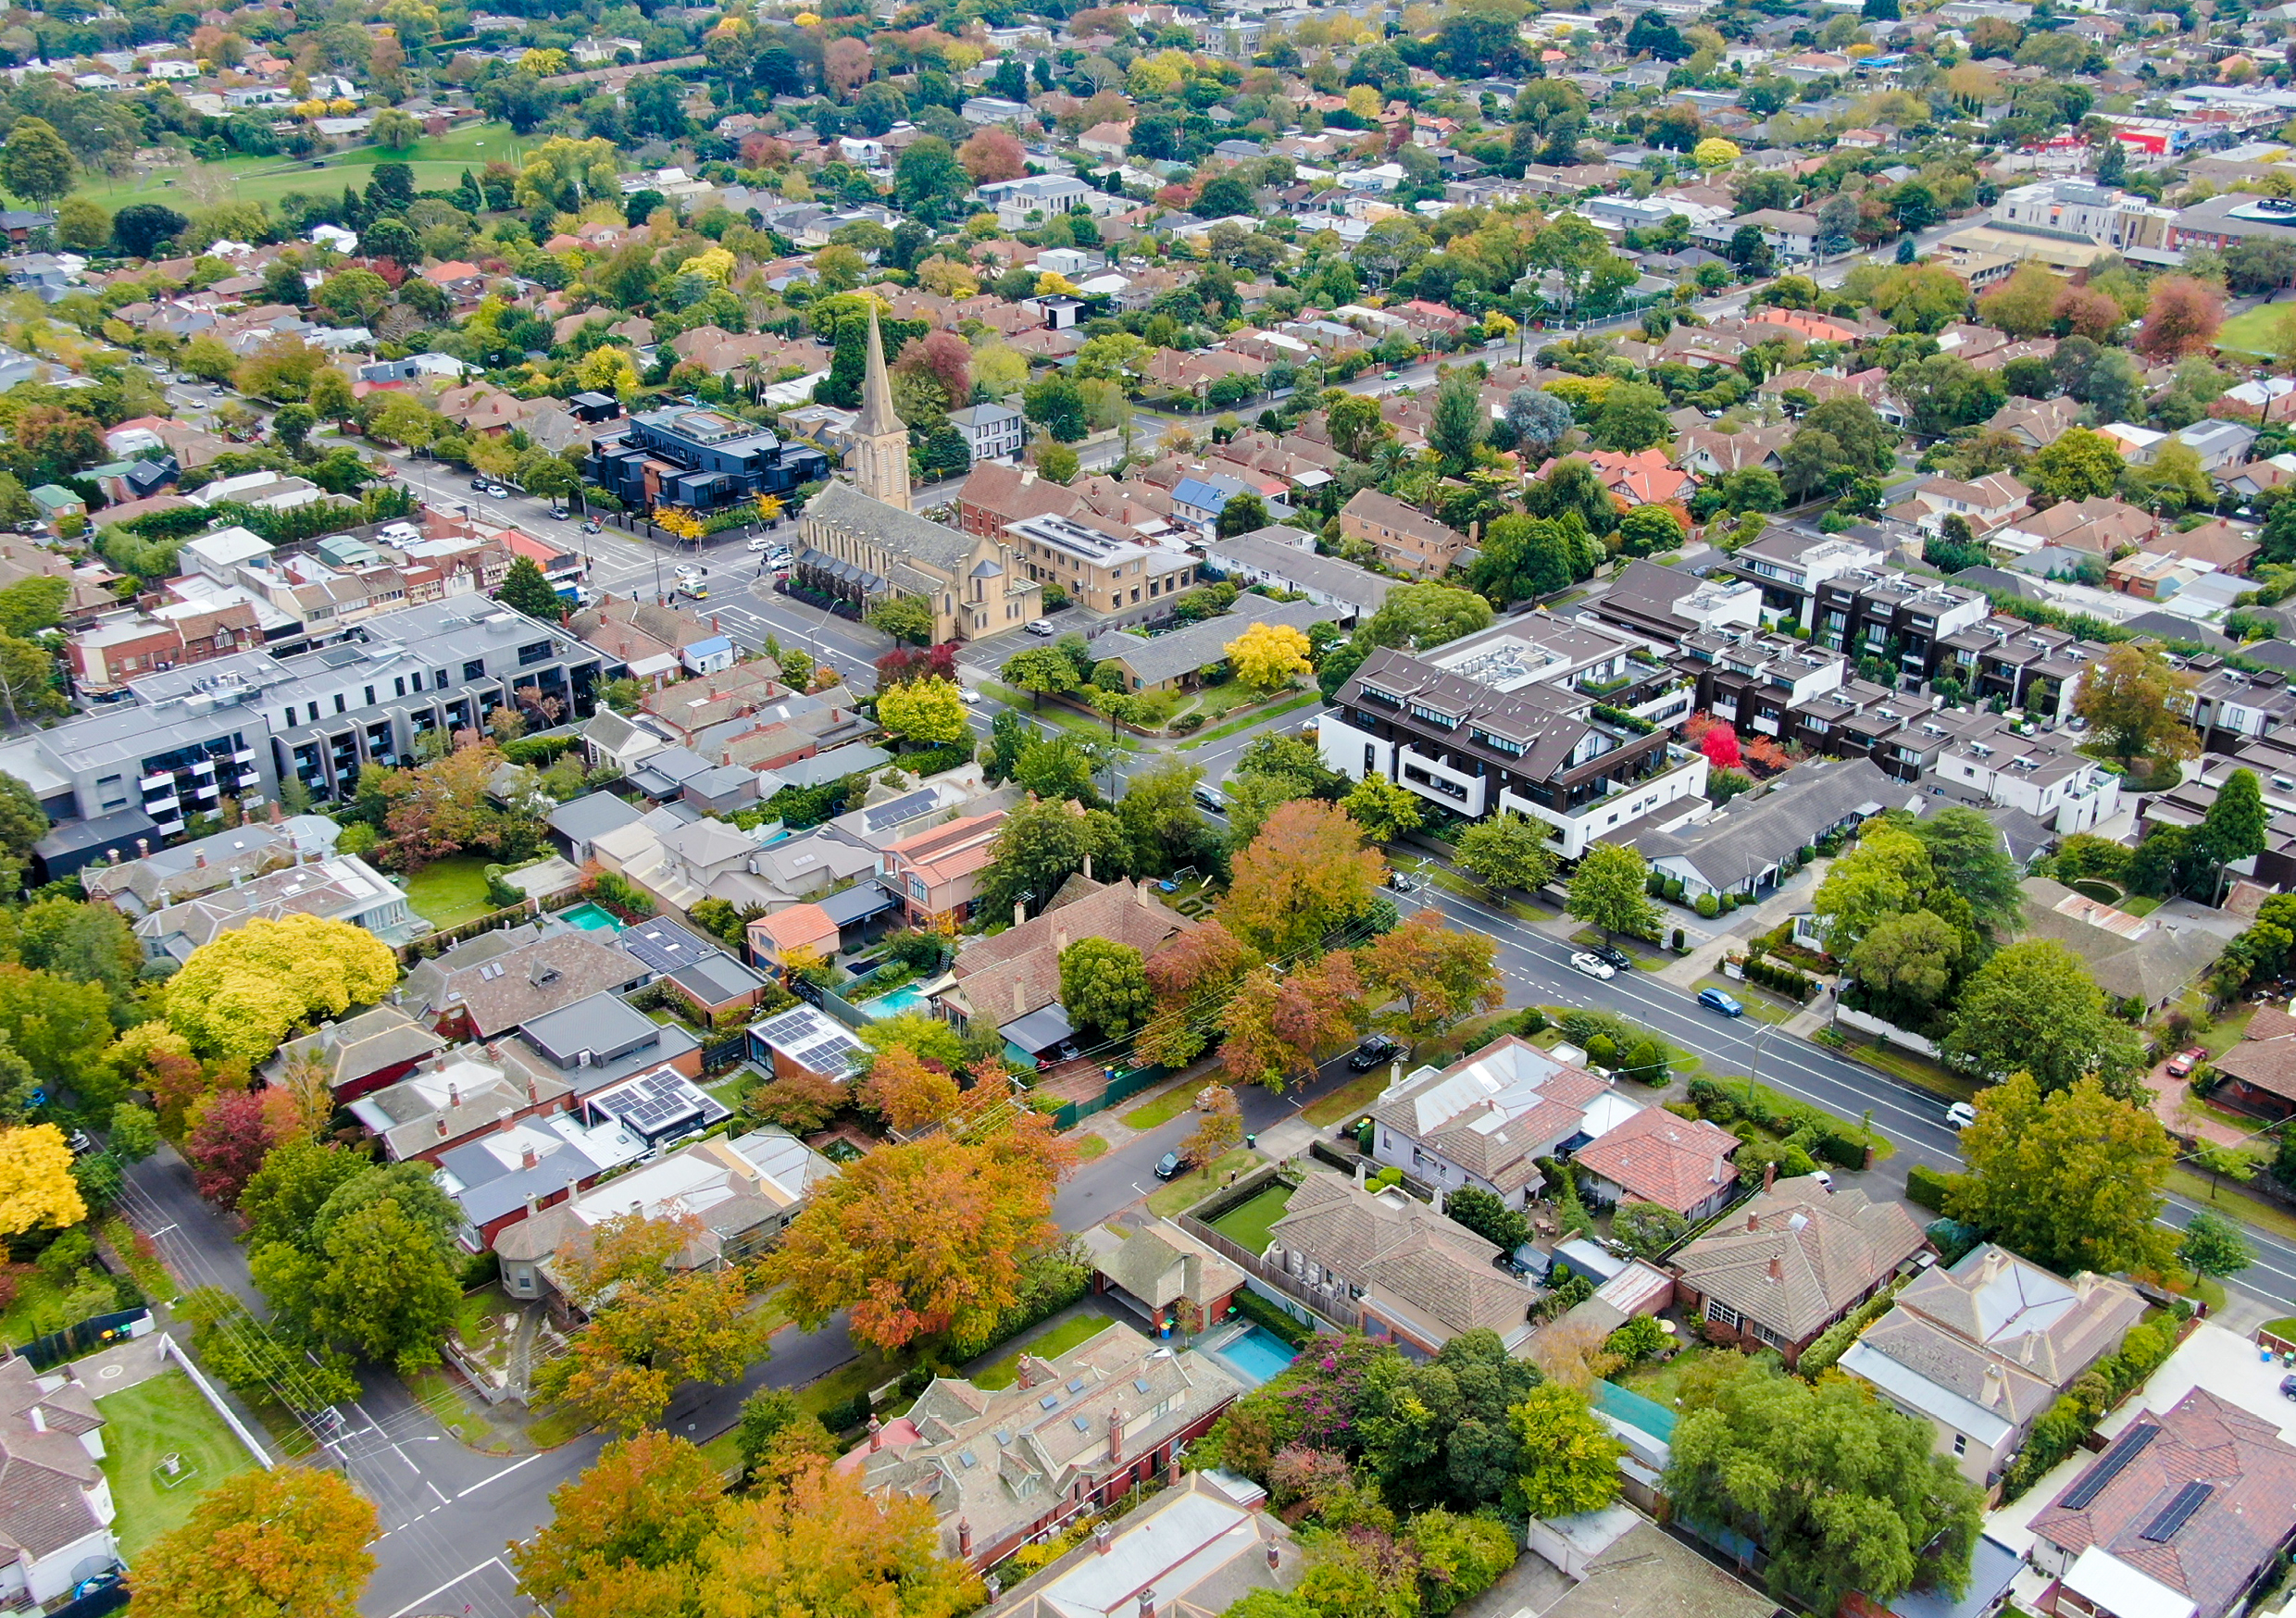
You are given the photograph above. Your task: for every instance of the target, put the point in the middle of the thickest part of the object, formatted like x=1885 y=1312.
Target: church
x=863 y=543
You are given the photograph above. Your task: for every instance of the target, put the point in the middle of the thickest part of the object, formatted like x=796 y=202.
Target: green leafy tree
x=2236 y=822
x=1842 y=1490
x=1459 y=423
x=1610 y=888
x=1103 y=986
x=1648 y=1228
x=1909 y=959
x=1039 y=845
x=1570 y=1461
x=928 y=711
x=904 y=617
x=2079 y=465
x=2034 y=1009
x=1039 y=669
x=1486 y=1216
x=2070 y=1178
x=1384 y=809
x=2214 y=1245
x=1507 y=851
x=1966 y=857
x=525 y=587
x=36 y=164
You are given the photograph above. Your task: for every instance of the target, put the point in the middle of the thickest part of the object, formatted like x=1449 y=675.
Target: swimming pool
x=909 y=997
x=1259 y=1356
x=590 y=918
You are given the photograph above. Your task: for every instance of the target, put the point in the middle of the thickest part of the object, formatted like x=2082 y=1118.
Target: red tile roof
x=1657 y=1157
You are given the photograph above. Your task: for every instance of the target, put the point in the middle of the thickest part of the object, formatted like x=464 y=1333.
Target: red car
x=2181 y=1064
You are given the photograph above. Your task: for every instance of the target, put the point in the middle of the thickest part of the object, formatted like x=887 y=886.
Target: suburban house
x=1070 y=1437
x=1419 y=1278
x=1682 y=1164
x=1177 y=659
x=2186 y=1514
x=1191 y=1551
x=1164 y=1275
x=1741 y=847
x=1791 y=1261
x=2258 y=1074
x=56 y=1504
x=740 y=1192
x=1487 y=1119
x=1402 y=536
x=330 y=887
x=1285 y=559
x=936 y=874
x=1981 y=1350
x=498 y=980
x=1011 y=979
x=361 y=1053
x=456 y=1094
x=2147 y=959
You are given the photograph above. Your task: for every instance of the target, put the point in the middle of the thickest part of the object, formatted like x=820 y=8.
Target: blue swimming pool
x=909 y=997
x=1259 y=1354
x=590 y=918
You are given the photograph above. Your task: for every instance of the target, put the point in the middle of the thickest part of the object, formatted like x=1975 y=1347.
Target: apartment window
x=312 y=709
x=1961 y=1443
x=368 y=698
x=398 y=686
x=537 y=651
x=438 y=679
x=474 y=669
x=112 y=792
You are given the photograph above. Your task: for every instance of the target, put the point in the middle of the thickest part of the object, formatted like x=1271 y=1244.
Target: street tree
x=1104 y=987
x=289 y=1542
x=904 y=617
x=1570 y=1460
x=646 y=1507
x=1966 y=857
x=1193 y=977
x=652 y=1328
x=1277 y=1026
x=1383 y=808
x=1269 y=657
x=1887 y=874
x=2070 y=1178
x=1843 y=1491
x=777 y=1436
x=36 y=1186
x=930 y=713
x=227 y=1144
x=2214 y=1246
x=1436 y=974
x=1305 y=874
x=916 y=1240
x=1039 y=669
x=1610 y=888
x=2033 y=1008
x=1507 y=851
x=1219 y=1127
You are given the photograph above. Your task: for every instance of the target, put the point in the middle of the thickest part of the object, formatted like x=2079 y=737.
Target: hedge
x=1817 y=1132
x=2075 y=1413
x=1787 y=980
x=539 y=748
x=1261 y=1312
x=1834 y=1341
x=1927 y=1186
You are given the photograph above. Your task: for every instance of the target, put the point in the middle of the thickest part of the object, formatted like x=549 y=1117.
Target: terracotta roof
x=1012 y=973
x=2266 y=1057
x=799 y=927
x=1656 y=1157
x=1797 y=1256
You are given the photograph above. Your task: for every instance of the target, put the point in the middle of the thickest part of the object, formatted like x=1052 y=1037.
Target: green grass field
x=1249 y=1226
x=1005 y=1372
x=1197 y=1183
x=2252 y=332
x=438 y=166
x=450 y=891
x=1163 y=1109
x=160 y=1416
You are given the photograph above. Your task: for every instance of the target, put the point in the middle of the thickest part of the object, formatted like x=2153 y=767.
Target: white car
x=1592 y=965
x=762 y=542
x=1961 y=1114
x=972 y=697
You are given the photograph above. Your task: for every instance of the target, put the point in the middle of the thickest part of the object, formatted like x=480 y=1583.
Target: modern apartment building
x=184 y=740
x=684 y=456
x=2130 y=225
x=2029 y=666
x=1542 y=718
x=1123 y=580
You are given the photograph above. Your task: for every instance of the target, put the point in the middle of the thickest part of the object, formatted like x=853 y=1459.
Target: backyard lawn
x=1005 y=1371
x=2252 y=332
x=437 y=165
x=1249 y=1227
x=161 y=1416
x=1193 y=1186
x=450 y=891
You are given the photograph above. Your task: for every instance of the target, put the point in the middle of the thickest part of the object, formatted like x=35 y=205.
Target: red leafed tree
x=944 y=356
x=764 y=152
x=1720 y=746
x=2090 y=313
x=845 y=63
x=1763 y=751
x=228 y=1145
x=906 y=665
x=990 y=155
x=2181 y=319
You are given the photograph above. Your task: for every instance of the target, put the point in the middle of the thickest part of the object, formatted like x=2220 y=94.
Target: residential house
x=56 y=1504
x=2258 y=1074
x=1070 y=1437
x=375 y=1049
x=1011 y=979
x=2041 y=773
x=1981 y=1350
x=1179 y=659
x=604 y=1040
x=1983 y=502
x=1487 y=1119
x=1743 y=847
x=993 y=432
x=1682 y=1164
x=2189 y=1512
x=2036 y=423
x=495 y=982
x=2149 y=961
x=1418 y=1279
x=331 y=887
x=1192 y=1551
x=1791 y=1261
x=1402 y=536
x=936 y=873
x=1284 y=558
x=1163 y=1274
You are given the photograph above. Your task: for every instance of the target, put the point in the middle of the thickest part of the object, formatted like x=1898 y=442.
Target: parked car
x=761 y=542
x=971 y=697
x=1961 y=1114
x=593 y=526
x=1371 y=1050
x=1593 y=965
x=477 y=485
x=1824 y=1181
x=1169 y=1166
x=2181 y=1064
x=1715 y=1000
x=1210 y=797
x=1614 y=955
x=2287 y=1388
x=1040 y=628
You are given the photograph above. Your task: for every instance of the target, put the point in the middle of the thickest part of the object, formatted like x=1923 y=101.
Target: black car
x=1614 y=954
x=1169 y=1166
x=1372 y=1050
x=2288 y=1387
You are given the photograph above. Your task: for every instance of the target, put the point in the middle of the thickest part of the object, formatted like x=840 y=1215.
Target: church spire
x=881 y=461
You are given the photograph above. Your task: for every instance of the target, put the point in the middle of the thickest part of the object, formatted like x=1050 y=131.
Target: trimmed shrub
x=1925 y=1187
x=1834 y=1341
x=1532 y=1021
x=1709 y=906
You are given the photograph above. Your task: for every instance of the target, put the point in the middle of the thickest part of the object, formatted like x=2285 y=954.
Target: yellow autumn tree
x=610 y=370
x=1053 y=284
x=1714 y=152
x=36 y=1185
x=713 y=262
x=1267 y=656
x=239 y=996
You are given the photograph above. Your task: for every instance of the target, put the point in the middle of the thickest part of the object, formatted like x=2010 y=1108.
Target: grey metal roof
x=857 y=902
x=1267 y=549
x=717 y=979
x=601 y=1025
x=1741 y=839
x=1184 y=651
x=1040 y=1029
x=592 y=815
x=903 y=533
x=834 y=764
x=666 y=946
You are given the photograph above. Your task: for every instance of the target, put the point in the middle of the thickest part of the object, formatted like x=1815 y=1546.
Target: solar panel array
x=655 y=1104
x=895 y=811
x=812 y=1039
x=2179 y=1512
x=2108 y=1467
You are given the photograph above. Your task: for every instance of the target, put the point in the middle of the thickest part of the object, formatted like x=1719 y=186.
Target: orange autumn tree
x=907 y=1091
x=925 y=1239
x=1276 y=1026
x=1306 y=873
x=291 y=1541
x=1437 y=975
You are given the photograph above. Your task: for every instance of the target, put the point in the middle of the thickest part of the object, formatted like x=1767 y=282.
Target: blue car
x=1715 y=1000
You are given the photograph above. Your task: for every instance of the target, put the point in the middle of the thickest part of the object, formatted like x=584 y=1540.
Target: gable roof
x=511 y=984
x=1796 y=1256
x=1435 y=1268
x=1753 y=832
x=1015 y=972
x=1495 y=1113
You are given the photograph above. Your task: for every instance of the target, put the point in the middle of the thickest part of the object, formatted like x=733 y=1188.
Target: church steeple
x=880 y=444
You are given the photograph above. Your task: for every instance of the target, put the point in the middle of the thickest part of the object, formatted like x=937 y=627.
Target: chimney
x=1088 y=867
x=504 y=1118
x=454 y=1095
x=1060 y=937
x=533 y=1203
x=1020 y=911
x=275 y=815
x=1020 y=1001
x=1439 y=1200
x=877 y=1434
x=1777 y=1271
x=1147 y=1604
x=1995 y=1385
x=1116 y=1436
x=441 y=1125
x=1191 y=1275
x=143 y=847
x=1102 y=1538
x=1275 y=1557
x=964 y=1538
x=1361 y=1175
x=1140 y=892
x=1753 y=1221
x=528 y=1159
x=38 y=1417
x=1030 y=1376
x=533 y=1090
x=1769 y=1177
